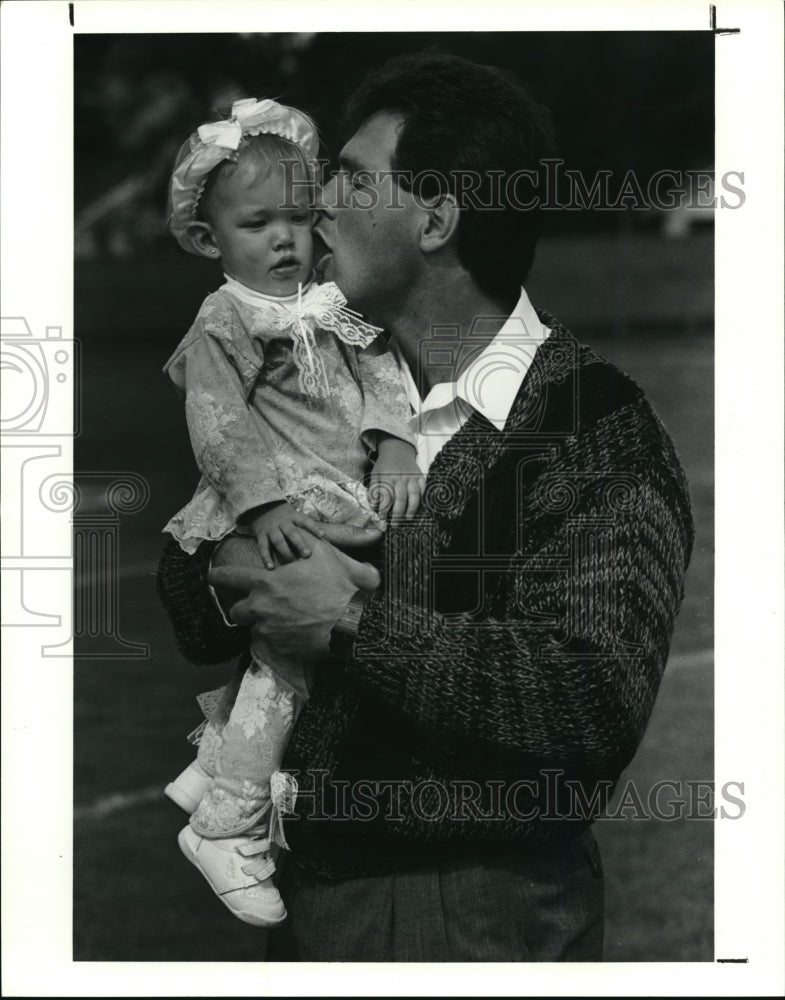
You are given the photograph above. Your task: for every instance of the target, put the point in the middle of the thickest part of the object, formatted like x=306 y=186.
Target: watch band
x=344 y=632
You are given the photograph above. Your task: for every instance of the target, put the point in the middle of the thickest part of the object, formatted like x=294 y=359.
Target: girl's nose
x=283 y=236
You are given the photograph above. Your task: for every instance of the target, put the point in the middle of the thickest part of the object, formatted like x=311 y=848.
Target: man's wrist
x=344 y=633
x=390 y=441
x=216 y=599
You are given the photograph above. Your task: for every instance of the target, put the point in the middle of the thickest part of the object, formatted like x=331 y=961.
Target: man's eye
x=349 y=176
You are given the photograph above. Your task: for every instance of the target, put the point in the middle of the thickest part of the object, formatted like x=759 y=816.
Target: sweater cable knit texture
x=508 y=666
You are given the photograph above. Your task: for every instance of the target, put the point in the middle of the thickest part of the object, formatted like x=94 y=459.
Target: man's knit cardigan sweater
x=508 y=666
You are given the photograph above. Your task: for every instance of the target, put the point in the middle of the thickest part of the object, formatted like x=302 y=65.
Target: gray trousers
x=484 y=905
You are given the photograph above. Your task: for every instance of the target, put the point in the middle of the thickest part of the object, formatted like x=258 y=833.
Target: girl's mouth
x=287 y=266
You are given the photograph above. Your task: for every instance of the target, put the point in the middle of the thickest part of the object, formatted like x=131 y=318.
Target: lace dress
x=284 y=399
x=283 y=403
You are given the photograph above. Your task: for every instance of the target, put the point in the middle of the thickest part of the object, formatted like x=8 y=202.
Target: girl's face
x=261 y=226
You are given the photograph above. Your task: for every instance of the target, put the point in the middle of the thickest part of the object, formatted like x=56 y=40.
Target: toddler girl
x=288 y=394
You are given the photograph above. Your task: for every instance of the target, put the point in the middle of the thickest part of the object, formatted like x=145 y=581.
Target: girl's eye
x=301 y=217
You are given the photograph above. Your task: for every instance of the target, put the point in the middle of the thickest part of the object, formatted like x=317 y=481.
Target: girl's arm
x=231 y=449
x=386 y=410
x=217 y=369
x=396 y=483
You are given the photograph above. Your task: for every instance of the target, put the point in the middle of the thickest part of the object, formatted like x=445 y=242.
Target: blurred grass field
x=644 y=303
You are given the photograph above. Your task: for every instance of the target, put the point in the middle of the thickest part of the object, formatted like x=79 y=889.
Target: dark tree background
x=621 y=101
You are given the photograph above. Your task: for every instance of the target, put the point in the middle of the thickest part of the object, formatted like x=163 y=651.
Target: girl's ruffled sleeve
x=216 y=367
x=386 y=407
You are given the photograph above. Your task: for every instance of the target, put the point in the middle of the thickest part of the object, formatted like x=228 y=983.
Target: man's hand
x=293 y=610
x=396 y=483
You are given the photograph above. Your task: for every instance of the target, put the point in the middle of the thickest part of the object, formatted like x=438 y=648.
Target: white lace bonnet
x=215 y=142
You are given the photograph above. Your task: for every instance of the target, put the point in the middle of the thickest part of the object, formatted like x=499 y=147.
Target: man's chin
x=322 y=256
x=326 y=267
x=326 y=270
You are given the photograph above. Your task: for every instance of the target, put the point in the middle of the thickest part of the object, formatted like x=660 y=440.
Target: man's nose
x=326 y=201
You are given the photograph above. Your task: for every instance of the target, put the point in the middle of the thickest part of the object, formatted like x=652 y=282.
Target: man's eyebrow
x=349 y=163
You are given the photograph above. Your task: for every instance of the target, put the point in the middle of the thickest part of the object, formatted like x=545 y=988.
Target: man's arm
x=579 y=692
x=200 y=626
x=201 y=632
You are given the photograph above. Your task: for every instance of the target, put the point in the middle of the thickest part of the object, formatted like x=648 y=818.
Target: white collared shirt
x=489 y=381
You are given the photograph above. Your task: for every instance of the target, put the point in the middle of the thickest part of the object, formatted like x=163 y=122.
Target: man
x=476 y=699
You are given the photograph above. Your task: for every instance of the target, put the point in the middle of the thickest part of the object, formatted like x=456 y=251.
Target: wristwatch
x=344 y=632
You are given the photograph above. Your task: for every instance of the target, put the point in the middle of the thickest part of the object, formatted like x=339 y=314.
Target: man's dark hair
x=461 y=118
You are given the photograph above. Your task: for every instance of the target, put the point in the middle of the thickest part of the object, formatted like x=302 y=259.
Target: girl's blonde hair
x=265 y=152
x=218 y=147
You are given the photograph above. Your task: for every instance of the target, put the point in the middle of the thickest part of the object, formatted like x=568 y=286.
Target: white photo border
x=37 y=272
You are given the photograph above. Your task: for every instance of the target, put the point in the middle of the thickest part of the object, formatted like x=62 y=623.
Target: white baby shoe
x=188 y=787
x=238 y=870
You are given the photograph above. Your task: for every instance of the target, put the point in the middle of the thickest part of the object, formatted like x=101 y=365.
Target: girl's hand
x=277 y=527
x=396 y=483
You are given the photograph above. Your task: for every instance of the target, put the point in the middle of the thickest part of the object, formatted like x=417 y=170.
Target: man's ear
x=441 y=223
x=200 y=236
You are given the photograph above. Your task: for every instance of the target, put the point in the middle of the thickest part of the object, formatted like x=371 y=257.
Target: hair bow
x=252 y=117
x=215 y=142
x=226 y=134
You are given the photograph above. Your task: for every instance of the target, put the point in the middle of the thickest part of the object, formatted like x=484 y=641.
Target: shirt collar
x=490 y=381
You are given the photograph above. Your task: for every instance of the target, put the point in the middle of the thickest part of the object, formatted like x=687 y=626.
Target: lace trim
x=320 y=307
x=283 y=794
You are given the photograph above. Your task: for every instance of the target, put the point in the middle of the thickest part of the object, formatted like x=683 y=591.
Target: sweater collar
x=475 y=449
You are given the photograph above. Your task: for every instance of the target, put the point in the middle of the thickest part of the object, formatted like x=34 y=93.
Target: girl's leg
x=228 y=837
x=190 y=785
x=218 y=715
x=245 y=752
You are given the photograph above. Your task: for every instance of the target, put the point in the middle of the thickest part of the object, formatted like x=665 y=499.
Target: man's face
x=369 y=224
